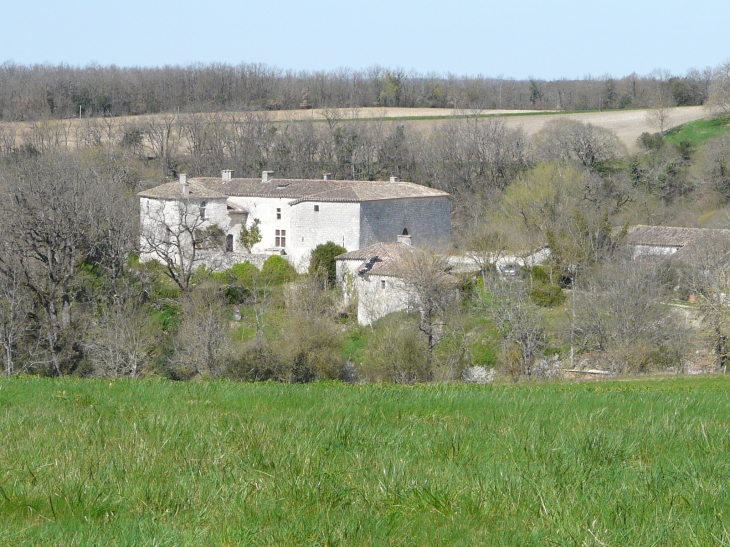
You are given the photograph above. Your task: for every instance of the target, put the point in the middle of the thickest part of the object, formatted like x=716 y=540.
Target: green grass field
x=698 y=131
x=152 y=463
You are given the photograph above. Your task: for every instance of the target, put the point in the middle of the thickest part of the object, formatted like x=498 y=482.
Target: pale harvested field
x=628 y=124
x=319 y=114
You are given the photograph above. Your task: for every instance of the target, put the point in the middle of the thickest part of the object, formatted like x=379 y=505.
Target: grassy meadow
x=157 y=463
x=698 y=131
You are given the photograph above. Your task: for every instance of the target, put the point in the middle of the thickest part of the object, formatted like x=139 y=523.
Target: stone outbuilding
x=377 y=277
x=661 y=241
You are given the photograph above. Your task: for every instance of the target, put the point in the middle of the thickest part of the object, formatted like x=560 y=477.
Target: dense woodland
x=74 y=299
x=62 y=91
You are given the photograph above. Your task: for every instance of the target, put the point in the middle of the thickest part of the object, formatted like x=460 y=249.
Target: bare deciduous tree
x=719 y=99
x=120 y=341
x=709 y=281
x=517 y=320
x=175 y=234
x=430 y=291
x=163 y=136
x=15 y=309
x=65 y=214
x=485 y=246
x=49 y=220
x=712 y=165
x=575 y=141
x=202 y=344
x=196 y=139
x=620 y=313
x=7 y=140
x=660 y=111
x=472 y=154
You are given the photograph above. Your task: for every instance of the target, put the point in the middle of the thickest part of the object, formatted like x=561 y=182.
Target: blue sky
x=512 y=38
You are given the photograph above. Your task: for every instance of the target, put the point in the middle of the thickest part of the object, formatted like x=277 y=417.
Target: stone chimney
x=267 y=176
x=405 y=239
x=328 y=176
x=394 y=179
x=184 y=184
x=226 y=175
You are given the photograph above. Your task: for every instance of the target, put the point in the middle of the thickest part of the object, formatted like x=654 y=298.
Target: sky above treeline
x=510 y=39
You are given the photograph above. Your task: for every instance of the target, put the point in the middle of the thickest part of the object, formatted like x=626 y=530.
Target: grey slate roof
x=173 y=190
x=380 y=258
x=299 y=190
x=669 y=236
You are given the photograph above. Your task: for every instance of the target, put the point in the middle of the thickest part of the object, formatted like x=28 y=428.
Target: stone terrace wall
x=218 y=261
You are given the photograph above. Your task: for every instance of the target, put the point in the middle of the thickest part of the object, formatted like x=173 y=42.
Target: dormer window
x=278 y=213
x=202 y=210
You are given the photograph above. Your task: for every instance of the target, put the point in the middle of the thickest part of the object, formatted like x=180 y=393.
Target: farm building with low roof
x=647 y=241
x=378 y=277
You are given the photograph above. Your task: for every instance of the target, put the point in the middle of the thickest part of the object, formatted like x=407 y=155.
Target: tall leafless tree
x=176 y=234
x=49 y=220
x=15 y=311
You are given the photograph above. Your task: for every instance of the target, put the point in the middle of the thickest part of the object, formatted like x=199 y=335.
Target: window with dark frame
x=280 y=239
x=278 y=214
x=382 y=283
x=316 y=208
x=202 y=210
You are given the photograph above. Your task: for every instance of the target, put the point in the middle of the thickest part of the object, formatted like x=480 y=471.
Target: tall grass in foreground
x=85 y=462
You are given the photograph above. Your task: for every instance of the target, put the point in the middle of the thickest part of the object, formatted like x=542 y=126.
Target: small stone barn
x=658 y=241
x=377 y=276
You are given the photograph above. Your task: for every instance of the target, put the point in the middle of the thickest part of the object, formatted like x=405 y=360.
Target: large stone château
x=294 y=215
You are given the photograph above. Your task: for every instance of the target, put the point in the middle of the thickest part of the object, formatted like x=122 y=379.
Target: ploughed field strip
x=627 y=124
x=92 y=462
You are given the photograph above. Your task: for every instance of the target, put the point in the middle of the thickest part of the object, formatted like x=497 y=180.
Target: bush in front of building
x=278 y=270
x=322 y=264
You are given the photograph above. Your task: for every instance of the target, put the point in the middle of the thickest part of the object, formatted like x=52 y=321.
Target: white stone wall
x=336 y=222
x=216 y=213
x=224 y=261
x=428 y=221
x=347 y=278
x=352 y=225
x=233 y=228
x=653 y=250
x=375 y=301
x=264 y=209
x=155 y=213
